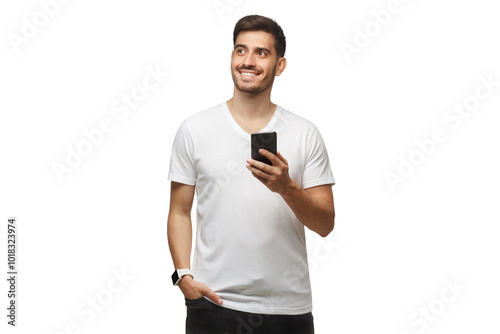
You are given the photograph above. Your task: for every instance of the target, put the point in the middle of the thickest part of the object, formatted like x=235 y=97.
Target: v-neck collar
x=242 y=132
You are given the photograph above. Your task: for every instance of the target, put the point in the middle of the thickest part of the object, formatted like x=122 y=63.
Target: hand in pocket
x=193 y=290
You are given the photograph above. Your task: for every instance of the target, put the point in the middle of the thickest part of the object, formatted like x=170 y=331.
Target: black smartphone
x=265 y=140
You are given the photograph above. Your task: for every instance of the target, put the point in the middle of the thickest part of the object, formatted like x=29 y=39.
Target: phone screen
x=265 y=140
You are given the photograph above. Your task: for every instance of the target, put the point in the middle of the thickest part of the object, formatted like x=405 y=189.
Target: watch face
x=175 y=277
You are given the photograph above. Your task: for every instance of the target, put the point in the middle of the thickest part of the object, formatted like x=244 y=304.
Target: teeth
x=247 y=74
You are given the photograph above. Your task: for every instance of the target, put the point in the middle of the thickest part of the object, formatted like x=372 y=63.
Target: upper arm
x=323 y=191
x=181 y=198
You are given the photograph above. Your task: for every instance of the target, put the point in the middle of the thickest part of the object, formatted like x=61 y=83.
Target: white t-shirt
x=250 y=247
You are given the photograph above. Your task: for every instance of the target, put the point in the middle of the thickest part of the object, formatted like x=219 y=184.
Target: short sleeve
x=317 y=169
x=182 y=168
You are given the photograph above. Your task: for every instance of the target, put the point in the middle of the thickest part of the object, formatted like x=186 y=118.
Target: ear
x=281 y=66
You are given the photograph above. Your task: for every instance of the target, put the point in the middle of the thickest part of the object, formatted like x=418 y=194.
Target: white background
x=392 y=250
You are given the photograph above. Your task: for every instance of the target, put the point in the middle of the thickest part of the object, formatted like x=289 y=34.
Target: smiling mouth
x=247 y=74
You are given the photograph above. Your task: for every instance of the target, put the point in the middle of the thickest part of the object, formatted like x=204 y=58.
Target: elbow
x=324 y=234
x=328 y=229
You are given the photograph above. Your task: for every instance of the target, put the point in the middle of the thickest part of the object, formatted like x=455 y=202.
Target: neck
x=248 y=106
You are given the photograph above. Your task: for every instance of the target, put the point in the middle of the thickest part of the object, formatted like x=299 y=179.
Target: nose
x=249 y=60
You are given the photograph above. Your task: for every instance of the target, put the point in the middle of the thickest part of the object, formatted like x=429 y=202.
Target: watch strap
x=179 y=273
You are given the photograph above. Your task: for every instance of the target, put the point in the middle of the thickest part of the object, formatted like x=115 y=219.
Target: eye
x=240 y=51
x=262 y=53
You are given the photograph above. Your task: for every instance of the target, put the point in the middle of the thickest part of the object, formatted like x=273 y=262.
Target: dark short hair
x=262 y=23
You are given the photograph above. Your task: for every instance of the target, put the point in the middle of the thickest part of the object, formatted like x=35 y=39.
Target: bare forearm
x=179 y=234
x=315 y=213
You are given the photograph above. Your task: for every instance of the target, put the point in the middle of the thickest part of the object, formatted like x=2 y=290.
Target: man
x=250 y=271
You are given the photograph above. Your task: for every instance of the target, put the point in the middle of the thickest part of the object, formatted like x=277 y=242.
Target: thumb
x=212 y=295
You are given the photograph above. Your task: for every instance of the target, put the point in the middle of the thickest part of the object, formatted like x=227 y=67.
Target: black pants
x=204 y=317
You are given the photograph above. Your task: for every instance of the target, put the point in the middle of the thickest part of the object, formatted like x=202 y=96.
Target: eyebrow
x=246 y=47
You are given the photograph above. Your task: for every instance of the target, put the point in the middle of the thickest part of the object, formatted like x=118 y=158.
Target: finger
x=274 y=159
x=212 y=295
x=261 y=179
x=258 y=167
x=282 y=158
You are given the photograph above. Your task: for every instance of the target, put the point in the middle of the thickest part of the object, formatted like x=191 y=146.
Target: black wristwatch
x=178 y=273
